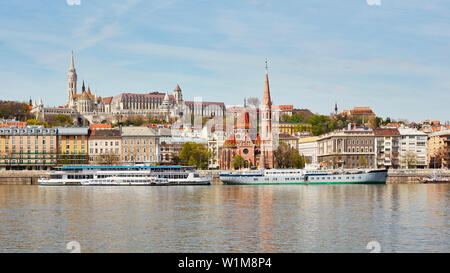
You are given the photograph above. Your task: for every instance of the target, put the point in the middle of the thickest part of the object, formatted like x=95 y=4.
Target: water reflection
x=289 y=218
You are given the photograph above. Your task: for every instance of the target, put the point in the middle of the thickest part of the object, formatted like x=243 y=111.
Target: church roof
x=177 y=88
x=205 y=103
x=230 y=142
x=132 y=96
x=107 y=100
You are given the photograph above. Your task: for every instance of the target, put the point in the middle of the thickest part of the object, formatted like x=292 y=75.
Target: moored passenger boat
x=124 y=175
x=300 y=176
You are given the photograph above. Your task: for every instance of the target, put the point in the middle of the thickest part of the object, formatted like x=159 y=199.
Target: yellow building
x=72 y=146
x=291 y=128
x=140 y=145
x=28 y=148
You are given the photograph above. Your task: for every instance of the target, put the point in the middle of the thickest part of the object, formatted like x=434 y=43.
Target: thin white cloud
x=73 y=2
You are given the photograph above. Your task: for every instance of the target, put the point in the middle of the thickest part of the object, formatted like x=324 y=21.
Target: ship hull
x=371 y=177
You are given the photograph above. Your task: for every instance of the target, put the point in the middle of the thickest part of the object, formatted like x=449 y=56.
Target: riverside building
x=140 y=145
x=413 y=144
x=347 y=149
x=105 y=146
x=38 y=148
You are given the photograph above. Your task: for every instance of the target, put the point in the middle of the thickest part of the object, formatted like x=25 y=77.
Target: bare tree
x=254 y=101
x=410 y=159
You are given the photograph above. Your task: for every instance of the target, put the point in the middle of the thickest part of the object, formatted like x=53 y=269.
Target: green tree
x=362 y=161
x=288 y=157
x=15 y=110
x=238 y=162
x=194 y=154
x=59 y=120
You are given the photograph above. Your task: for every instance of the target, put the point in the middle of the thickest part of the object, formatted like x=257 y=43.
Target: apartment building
x=439 y=149
x=387 y=145
x=347 y=149
x=413 y=148
x=140 y=145
x=308 y=148
x=32 y=148
x=72 y=145
x=105 y=146
x=291 y=141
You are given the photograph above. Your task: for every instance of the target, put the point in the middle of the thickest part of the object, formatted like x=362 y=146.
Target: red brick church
x=256 y=151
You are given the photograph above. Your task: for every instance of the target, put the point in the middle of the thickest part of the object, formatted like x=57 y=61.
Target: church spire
x=72 y=82
x=72 y=63
x=266 y=97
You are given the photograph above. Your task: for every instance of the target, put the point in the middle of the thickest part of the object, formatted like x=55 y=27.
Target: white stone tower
x=72 y=83
x=178 y=95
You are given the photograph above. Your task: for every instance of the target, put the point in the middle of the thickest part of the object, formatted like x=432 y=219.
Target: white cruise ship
x=124 y=175
x=301 y=176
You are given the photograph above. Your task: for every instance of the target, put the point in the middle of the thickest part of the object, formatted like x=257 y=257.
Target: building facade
x=413 y=148
x=73 y=145
x=347 y=149
x=38 y=148
x=105 y=146
x=291 y=141
x=387 y=145
x=33 y=148
x=308 y=148
x=140 y=145
x=439 y=149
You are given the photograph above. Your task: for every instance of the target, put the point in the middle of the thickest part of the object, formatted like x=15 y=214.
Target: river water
x=285 y=218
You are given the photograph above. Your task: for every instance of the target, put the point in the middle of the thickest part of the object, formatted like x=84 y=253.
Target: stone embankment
x=21 y=177
x=413 y=176
x=394 y=176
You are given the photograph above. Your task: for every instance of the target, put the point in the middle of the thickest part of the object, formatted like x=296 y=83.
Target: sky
x=391 y=55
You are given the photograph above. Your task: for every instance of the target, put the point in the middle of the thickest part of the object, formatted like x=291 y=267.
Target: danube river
x=287 y=218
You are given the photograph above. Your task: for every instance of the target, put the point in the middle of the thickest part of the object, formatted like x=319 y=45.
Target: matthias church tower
x=72 y=84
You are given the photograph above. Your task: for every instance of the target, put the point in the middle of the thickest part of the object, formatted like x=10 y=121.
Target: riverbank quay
x=22 y=177
x=394 y=176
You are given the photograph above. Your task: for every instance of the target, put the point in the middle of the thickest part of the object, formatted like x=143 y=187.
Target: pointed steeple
x=178 y=95
x=72 y=63
x=83 y=88
x=89 y=90
x=266 y=98
x=166 y=97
